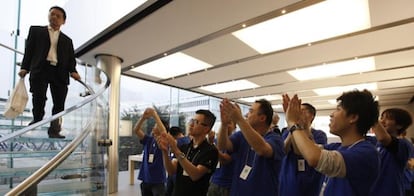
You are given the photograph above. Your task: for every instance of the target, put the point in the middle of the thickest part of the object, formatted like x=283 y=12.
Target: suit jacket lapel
x=46 y=31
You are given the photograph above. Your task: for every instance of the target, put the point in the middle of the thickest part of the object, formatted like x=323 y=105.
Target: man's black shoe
x=56 y=135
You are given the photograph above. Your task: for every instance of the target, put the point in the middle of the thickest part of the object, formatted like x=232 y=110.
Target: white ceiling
x=202 y=29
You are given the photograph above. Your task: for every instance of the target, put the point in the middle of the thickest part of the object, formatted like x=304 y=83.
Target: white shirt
x=52 y=54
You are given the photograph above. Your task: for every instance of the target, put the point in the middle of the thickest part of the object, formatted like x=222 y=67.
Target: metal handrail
x=42 y=172
x=12 y=49
x=37 y=176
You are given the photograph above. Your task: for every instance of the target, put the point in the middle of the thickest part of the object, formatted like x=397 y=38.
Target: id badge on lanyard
x=247 y=169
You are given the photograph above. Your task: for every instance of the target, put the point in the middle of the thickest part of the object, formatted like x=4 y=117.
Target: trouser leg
x=158 y=189
x=55 y=127
x=146 y=189
x=58 y=93
x=38 y=89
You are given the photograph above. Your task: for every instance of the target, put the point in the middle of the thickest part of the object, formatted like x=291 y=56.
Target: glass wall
x=136 y=95
x=174 y=105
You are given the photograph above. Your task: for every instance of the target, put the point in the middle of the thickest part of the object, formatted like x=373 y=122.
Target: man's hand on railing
x=22 y=73
x=75 y=75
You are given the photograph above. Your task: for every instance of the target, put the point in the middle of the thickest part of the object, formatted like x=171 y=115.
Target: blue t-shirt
x=263 y=176
x=297 y=177
x=183 y=140
x=362 y=168
x=318 y=135
x=394 y=159
x=152 y=167
x=223 y=174
x=408 y=174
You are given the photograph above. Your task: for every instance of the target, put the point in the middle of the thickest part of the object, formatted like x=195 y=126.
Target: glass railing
x=33 y=164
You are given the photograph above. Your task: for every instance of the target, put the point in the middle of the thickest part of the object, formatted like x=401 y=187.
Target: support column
x=112 y=66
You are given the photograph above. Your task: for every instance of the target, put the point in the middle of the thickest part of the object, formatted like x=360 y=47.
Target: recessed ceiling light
x=230 y=86
x=172 y=65
x=277 y=106
x=337 y=90
x=334 y=69
x=267 y=97
x=332 y=101
x=317 y=22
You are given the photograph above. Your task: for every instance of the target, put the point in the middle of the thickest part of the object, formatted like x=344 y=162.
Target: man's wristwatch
x=295 y=127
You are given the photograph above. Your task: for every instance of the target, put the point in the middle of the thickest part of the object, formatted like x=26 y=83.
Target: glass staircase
x=33 y=164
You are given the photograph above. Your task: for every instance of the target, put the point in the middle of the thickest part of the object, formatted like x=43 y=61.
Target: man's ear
x=263 y=118
x=353 y=118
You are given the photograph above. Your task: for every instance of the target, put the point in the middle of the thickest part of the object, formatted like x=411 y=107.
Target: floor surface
x=124 y=188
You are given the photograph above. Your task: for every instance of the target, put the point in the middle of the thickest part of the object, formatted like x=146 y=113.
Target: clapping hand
x=291 y=106
x=166 y=141
x=230 y=111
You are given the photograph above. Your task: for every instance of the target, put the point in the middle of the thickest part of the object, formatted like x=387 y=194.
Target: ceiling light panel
x=172 y=65
x=334 y=69
x=277 y=106
x=230 y=86
x=337 y=90
x=267 y=97
x=314 y=23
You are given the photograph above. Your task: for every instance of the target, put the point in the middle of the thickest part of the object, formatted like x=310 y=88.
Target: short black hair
x=266 y=109
x=209 y=117
x=310 y=108
x=363 y=104
x=400 y=116
x=60 y=9
x=174 y=130
x=166 y=123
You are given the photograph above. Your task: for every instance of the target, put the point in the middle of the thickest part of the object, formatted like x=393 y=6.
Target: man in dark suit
x=50 y=59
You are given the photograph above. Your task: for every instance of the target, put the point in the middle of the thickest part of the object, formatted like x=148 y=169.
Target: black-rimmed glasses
x=196 y=122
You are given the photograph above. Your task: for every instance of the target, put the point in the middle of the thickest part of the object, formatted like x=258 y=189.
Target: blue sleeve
x=145 y=140
x=319 y=137
x=275 y=140
x=285 y=133
x=401 y=148
x=235 y=139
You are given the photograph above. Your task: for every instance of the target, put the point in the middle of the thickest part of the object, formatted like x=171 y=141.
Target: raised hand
x=293 y=110
x=149 y=112
x=225 y=119
x=286 y=100
x=232 y=111
x=162 y=141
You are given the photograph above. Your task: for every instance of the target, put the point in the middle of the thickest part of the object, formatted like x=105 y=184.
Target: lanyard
x=248 y=157
x=188 y=152
x=152 y=147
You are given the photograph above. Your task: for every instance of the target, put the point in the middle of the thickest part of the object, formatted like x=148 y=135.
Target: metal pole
x=112 y=66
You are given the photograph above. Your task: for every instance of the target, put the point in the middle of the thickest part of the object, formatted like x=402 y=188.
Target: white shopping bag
x=17 y=101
